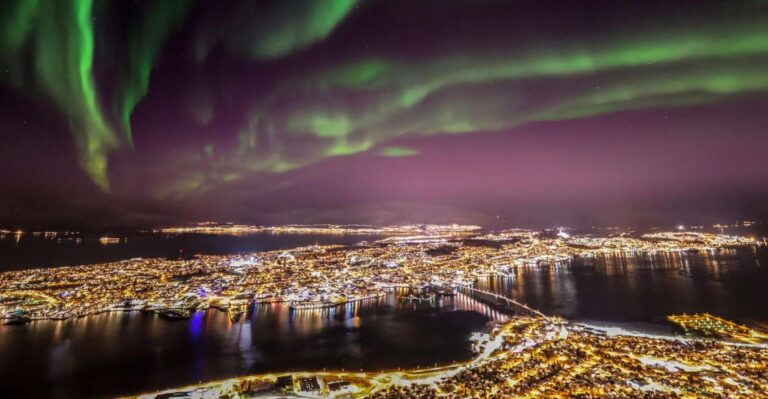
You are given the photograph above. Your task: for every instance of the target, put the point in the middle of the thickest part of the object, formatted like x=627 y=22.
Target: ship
x=174 y=314
x=17 y=318
x=236 y=316
x=106 y=240
x=129 y=305
x=333 y=302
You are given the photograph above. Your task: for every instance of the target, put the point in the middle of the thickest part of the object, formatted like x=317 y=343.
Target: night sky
x=529 y=113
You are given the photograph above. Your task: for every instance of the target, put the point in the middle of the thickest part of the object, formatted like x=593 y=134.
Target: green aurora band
x=369 y=102
x=144 y=44
x=60 y=34
x=493 y=90
x=274 y=30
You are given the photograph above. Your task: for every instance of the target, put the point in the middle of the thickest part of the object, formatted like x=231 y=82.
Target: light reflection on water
x=645 y=287
x=130 y=352
x=123 y=353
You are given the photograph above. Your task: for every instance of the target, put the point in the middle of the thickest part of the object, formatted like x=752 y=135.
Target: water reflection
x=644 y=287
x=122 y=353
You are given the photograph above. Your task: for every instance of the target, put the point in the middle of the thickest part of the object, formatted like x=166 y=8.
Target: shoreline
x=517 y=341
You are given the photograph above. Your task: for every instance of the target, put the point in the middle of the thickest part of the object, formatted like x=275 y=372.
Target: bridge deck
x=511 y=301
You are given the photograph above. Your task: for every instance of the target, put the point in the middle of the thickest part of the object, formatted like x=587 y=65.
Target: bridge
x=499 y=299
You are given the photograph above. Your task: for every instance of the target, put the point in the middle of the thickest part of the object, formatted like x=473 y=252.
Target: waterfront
x=122 y=353
x=533 y=357
x=317 y=276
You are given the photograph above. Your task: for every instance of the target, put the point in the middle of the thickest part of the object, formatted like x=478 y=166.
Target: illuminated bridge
x=502 y=300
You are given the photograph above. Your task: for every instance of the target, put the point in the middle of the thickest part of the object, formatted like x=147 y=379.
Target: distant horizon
x=756 y=224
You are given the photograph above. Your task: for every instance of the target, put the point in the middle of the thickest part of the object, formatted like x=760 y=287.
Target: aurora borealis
x=370 y=111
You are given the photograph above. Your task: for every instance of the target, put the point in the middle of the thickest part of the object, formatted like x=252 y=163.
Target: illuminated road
x=508 y=300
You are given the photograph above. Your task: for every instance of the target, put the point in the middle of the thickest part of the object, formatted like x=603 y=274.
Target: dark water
x=128 y=353
x=30 y=251
x=646 y=288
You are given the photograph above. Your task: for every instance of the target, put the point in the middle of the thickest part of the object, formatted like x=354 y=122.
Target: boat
x=109 y=240
x=174 y=314
x=124 y=305
x=236 y=316
x=128 y=305
x=17 y=318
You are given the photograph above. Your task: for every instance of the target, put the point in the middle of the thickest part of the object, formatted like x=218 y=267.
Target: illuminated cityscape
x=530 y=355
x=235 y=229
x=312 y=277
x=348 y=199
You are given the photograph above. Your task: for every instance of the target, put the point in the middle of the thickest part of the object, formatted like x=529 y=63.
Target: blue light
x=196 y=324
